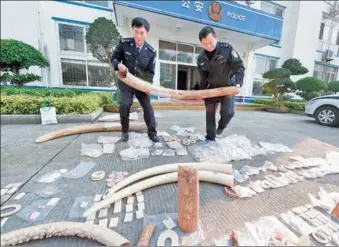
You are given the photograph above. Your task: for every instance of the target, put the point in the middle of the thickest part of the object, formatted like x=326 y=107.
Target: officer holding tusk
x=219 y=66
x=136 y=55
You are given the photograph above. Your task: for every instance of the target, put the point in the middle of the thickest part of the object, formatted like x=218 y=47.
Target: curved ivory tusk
x=223 y=168
x=101 y=234
x=148 y=88
x=206 y=176
x=100 y=127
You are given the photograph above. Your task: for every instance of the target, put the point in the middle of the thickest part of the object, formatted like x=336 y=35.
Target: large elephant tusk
x=206 y=176
x=100 y=127
x=148 y=88
x=101 y=234
x=223 y=168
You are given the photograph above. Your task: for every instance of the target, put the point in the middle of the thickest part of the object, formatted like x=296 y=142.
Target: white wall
x=50 y=32
x=306 y=39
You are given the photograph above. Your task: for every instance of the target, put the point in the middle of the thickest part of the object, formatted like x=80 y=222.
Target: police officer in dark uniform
x=139 y=58
x=219 y=66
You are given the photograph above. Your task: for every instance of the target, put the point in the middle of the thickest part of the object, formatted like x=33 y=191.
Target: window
x=198 y=50
x=167 y=50
x=325 y=73
x=337 y=41
x=168 y=75
x=321 y=33
x=258 y=87
x=84 y=70
x=185 y=53
x=71 y=38
x=272 y=8
x=99 y=3
x=98 y=75
x=73 y=72
x=263 y=64
x=172 y=54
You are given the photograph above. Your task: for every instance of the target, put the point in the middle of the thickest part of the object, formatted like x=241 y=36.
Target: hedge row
x=294 y=106
x=80 y=104
x=42 y=92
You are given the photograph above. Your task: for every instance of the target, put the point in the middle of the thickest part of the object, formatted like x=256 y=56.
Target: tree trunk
x=113 y=73
x=188 y=198
x=146 y=235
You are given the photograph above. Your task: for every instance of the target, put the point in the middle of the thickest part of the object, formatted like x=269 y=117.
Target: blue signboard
x=224 y=14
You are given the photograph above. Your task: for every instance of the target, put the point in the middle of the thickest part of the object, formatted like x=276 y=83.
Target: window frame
x=89 y=3
x=176 y=62
x=275 y=7
x=266 y=63
x=323 y=75
x=81 y=56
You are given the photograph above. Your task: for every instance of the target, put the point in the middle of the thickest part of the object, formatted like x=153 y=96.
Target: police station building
x=264 y=33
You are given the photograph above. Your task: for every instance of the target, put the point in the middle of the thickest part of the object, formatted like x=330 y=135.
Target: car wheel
x=327 y=115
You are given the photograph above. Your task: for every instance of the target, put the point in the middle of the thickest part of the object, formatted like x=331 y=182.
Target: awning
x=226 y=15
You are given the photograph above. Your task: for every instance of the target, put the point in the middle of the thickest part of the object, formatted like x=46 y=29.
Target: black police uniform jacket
x=140 y=64
x=225 y=69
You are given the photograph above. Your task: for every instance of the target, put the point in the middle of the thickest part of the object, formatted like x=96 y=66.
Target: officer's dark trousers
x=126 y=101
x=226 y=114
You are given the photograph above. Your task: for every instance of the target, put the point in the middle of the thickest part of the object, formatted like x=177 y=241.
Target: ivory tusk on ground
x=222 y=168
x=101 y=234
x=100 y=127
x=148 y=88
x=206 y=176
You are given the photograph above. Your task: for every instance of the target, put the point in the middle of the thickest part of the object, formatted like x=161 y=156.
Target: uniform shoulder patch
x=149 y=47
x=126 y=40
x=234 y=54
x=224 y=44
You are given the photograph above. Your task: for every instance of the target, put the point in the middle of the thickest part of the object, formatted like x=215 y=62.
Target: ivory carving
x=148 y=88
x=222 y=168
x=84 y=230
x=89 y=129
x=207 y=176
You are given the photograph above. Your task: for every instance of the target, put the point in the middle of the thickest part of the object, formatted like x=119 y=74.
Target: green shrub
x=42 y=92
x=333 y=86
x=310 y=87
x=29 y=104
x=294 y=106
x=267 y=102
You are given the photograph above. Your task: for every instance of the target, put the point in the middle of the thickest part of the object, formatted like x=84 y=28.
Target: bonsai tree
x=294 y=66
x=15 y=56
x=310 y=87
x=280 y=79
x=102 y=38
x=333 y=87
x=280 y=83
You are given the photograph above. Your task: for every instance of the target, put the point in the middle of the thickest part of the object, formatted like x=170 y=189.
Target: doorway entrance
x=187 y=76
x=182 y=79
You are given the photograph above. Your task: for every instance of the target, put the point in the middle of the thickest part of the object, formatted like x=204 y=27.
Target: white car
x=324 y=109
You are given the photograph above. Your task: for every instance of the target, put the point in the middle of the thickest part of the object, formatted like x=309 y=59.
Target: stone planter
x=277 y=109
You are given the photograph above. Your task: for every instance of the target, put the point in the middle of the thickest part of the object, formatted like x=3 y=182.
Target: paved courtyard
x=22 y=160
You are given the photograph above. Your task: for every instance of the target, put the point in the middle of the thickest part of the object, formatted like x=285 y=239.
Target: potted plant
x=281 y=83
x=114 y=107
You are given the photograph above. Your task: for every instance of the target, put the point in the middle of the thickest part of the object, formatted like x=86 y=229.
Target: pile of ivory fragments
x=313 y=222
x=299 y=169
x=320 y=225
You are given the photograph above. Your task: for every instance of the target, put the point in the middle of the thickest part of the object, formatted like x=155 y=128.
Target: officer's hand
x=122 y=68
